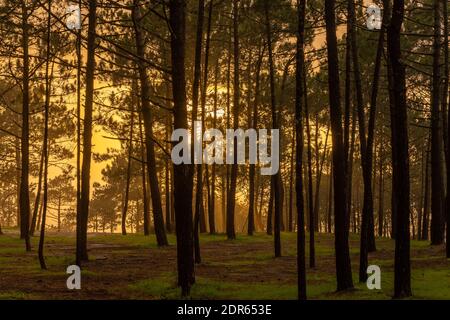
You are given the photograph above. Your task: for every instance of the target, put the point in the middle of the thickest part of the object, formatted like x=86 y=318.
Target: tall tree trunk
x=291 y=183
x=269 y=225
x=343 y=266
x=300 y=94
x=78 y=158
x=445 y=105
x=18 y=176
x=183 y=173
x=254 y=125
x=231 y=200
x=83 y=215
x=25 y=145
x=228 y=122
x=426 y=200
x=275 y=124
x=195 y=98
x=312 y=249
x=128 y=179
x=144 y=179
x=212 y=204
x=167 y=184
x=203 y=108
x=45 y=147
x=381 y=187
x=330 y=199
x=400 y=157
x=147 y=115
x=38 y=194
x=437 y=183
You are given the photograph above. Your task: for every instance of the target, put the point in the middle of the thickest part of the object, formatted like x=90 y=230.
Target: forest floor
x=133 y=267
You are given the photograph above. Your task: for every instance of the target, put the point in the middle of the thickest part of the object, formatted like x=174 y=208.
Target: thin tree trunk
x=38 y=194
x=128 y=179
x=330 y=199
x=203 y=106
x=269 y=225
x=183 y=173
x=212 y=202
x=254 y=124
x=437 y=183
x=144 y=180
x=45 y=147
x=78 y=166
x=319 y=169
x=400 y=157
x=167 y=183
x=343 y=266
x=426 y=201
x=231 y=200
x=277 y=185
x=300 y=94
x=195 y=98
x=147 y=115
x=25 y=145
x=312 y=250
x=83 y=215
x=291 y=184
x=381 y=188
x=446 y=109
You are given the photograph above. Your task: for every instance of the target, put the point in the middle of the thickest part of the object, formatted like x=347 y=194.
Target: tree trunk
x=38 y=193
x=426 y=201
x=195 y=98
x=231 y=200
x=83 y=215
x=254 y=124
x=147 y=115
x=183 y=173
x=312 y=250
x=167 y=183
x=45 y=147
x=400 y=157
x=445 y=108
x=269 y=225
x=128 y=179
x=437 y=184
x=291 y=184
x=25 y=145
x=275 y=124
x=300 y=97
x=144 y=180
x=343 y=266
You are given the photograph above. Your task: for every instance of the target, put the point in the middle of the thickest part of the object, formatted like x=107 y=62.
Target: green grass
x=164 y=288
x=430 y=272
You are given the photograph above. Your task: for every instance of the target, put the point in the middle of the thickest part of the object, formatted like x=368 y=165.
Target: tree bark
x=445 y=107
x=275 y=124
x=300 y=95
x=183 y=173
x=147 y=115
x=145 y=202
x=83 y=215
x=128 y=179
x=231 y=200
x=437 y=183
x=343 y=266
x=24 y=201
x=400 y=157
x=312 y=250
x=45 y=146
x=195 y=97
x=254 y=124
